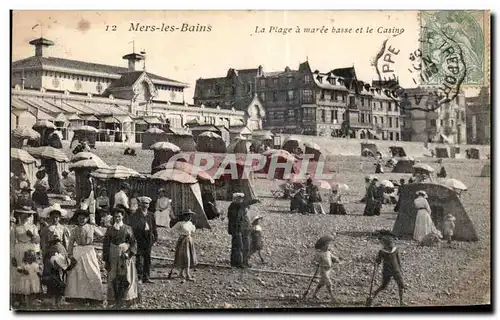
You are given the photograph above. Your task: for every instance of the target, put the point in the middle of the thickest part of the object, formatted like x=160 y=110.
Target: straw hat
x=24 y=210
x=55 y=208
x=238 y=195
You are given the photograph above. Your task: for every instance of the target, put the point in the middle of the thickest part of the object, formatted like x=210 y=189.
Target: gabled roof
x=349 y=72
x=39 y=62
x=126 y=80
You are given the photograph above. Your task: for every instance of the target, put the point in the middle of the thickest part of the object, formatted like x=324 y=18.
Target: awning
x=152 y=120
x=18 y=104
x=44 y=116
x=124 y=118
x=75 y=117
x=90 y=117
x=110 y=120
x=61 y=118
x=140 y=121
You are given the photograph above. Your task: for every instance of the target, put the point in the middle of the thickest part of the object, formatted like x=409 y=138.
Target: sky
x=237 y=39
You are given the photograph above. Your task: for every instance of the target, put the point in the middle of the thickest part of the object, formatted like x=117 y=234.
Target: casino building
x=115 y=99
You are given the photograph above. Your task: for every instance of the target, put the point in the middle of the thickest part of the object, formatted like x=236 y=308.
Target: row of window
x=330 y=95
x=276 y=81
x=168 y=88
x=276 y=96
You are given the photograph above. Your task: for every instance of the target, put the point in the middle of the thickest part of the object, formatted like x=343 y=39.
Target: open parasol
x=86 y=129
x=164 y=145
x=455 y=184
x=210 y=134
x=90 y=163
x=25 y=133
x=174 y=175
x=44 y=124
x=188 y=168
x=48 y=152
x=155 y=130
x=423 y=166
x=115 y=172
x=340 y=187
x=21 y=155
x=387 y=184
x=84 y=155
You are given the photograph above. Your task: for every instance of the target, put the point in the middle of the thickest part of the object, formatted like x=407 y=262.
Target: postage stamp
x=469 y=30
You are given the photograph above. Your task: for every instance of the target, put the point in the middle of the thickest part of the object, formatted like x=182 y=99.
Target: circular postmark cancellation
x=438 y=66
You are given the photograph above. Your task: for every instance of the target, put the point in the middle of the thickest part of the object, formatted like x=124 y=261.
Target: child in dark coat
x=55 y=265
x=389 y=256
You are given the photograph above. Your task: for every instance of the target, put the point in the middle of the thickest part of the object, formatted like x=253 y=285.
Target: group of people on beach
x=59 y=261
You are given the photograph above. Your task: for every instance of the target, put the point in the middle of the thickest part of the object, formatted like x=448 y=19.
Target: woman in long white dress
x=84 y=280
x=163 y=210
x=423 y=223
x=25 y=237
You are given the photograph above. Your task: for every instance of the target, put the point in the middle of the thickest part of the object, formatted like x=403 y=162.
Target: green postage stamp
x=466 y=34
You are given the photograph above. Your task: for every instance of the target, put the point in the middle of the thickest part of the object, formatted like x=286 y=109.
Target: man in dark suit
x=143 y=224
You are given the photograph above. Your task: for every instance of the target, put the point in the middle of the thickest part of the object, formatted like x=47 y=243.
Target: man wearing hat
x=143 y=224
x=239 y=228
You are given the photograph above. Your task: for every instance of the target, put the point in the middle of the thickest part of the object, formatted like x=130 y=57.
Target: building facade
x=307 y=102
x=424 y=122
x=111 y=98
x=478 y=113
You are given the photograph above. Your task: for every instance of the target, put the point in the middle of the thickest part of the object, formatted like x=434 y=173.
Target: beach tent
x=227 y=184
x=55 y=162
x=314 y=149
x=397 y=151
x=239 y=145
x=368 y=146
x=181 y=138
x=404 y=165
x=442 y=152
x=473 y=153
x=211 y=142
x=291 y=144
x=442 y=200
x=486 y=171
x=22 y=161
x=151 y=136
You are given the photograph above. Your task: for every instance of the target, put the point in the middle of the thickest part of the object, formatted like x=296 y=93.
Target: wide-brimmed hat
x=323 y=241
x=24 y=210
x=238 y=195
x=422 y=193
x=55 y=208
x=257 y=218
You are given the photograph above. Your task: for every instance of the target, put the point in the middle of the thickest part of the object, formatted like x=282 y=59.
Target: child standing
x=29 y=277
x=336 y=206
x=324 y=259
x=389 y=255
x=55 y=265
x=256 y=243
x=449 y=227
x=185 y=253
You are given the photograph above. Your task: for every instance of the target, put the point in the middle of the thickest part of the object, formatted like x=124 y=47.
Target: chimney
x=41 y=46
x=133 y=58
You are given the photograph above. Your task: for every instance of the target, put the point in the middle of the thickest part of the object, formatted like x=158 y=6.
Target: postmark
x=440 y=69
